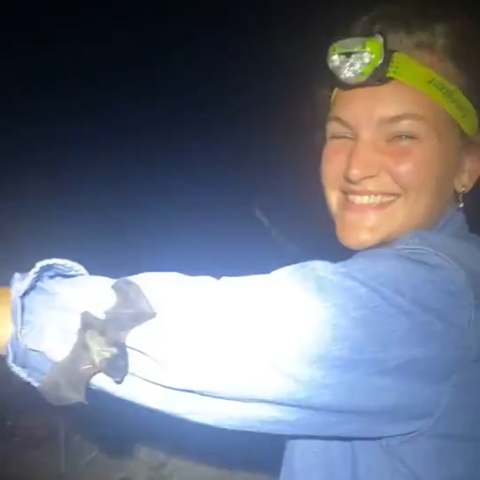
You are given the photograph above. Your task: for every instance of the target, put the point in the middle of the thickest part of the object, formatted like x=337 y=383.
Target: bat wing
x=131 y=309
x=67 y=381
x=99 y=348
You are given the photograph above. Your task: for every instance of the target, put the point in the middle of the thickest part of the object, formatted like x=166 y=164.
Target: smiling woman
x=392 y=162
x=399 y=151
x=370 y=367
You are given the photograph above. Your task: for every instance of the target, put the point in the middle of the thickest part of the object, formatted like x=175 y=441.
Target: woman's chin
x=357 y=238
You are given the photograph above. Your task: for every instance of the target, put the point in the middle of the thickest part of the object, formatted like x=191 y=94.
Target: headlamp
x=365 y=61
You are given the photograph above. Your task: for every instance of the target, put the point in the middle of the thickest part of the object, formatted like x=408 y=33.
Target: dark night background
x=139 y=136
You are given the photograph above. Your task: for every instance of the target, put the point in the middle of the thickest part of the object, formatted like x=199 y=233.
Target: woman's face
x=392 y=161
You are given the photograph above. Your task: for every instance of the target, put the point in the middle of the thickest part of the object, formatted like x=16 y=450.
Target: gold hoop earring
x=461 y=201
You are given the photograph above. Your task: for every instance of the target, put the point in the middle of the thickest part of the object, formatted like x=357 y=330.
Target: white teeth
x=370 y=199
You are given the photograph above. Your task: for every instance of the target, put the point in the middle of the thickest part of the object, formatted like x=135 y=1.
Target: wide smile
x=367 y=202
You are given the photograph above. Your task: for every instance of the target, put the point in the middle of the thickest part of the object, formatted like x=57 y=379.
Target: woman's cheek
x=407 y=169
x=332 y=163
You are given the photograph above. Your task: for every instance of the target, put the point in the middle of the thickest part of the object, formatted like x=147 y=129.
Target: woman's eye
x=338 y=136
x=402 y=137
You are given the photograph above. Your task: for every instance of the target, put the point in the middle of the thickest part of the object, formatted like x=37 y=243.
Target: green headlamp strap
x=358 y=62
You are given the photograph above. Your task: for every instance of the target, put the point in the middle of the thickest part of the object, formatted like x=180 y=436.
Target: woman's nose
x=362 y=162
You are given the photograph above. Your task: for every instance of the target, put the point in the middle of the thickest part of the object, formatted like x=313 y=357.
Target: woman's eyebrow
x=402 y=117
x=386 y=120
x=339 y=120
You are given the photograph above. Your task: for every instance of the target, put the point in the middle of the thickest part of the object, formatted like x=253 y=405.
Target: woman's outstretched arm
x=360 y=349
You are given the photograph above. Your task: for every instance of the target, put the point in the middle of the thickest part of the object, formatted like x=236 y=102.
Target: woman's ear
x=469 y=172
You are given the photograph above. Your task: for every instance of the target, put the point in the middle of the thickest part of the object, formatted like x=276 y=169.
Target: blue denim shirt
x=370 y=366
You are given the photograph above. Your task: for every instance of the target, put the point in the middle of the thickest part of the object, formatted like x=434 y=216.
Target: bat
x=99 y=347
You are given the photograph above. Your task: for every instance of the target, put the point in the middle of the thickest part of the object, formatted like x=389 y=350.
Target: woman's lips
x=367 y=202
